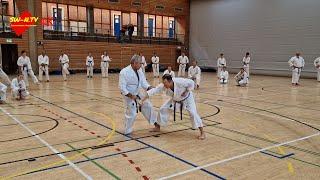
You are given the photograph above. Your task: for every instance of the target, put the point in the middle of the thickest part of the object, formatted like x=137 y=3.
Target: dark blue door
x=117 y=25
x=57 y=19
x=150 y=27
x=171 y=29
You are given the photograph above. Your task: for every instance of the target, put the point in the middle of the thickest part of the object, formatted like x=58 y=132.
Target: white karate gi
x=19 y=87
x=4 y=77
x=167 y=72
x=130 y=83
x=43 y=62
x=242 y=79
x=155 y=65
x=246 y=64
x=183 y=61
x=105 y=60
x=188 y=102
x=194 y=73
x=221 y=62
x=296 y=64
x=224 y=76
x=3 y=92
x=26 y=69
x=143 y=64
x=64 y=61
x=90 y=65
x=317 y=65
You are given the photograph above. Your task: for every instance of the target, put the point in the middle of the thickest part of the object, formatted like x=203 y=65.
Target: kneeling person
x=180 y=91
x=242 y=78
x=224 y=76
x=19 y=89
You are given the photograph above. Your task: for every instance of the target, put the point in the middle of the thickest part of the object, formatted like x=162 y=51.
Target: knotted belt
x=25 y=67
x=181 y=107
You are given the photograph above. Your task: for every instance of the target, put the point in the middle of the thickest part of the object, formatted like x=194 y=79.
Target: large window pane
x=159 y=26
x=73 y=13
x=82 y=13
x=125 y=18
x=105 y=16
x=97 y=15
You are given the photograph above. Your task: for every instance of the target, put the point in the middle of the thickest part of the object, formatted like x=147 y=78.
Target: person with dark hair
x=4 y=76
x=169 y=71
x=246 y=62
x=105 y=60
x=224 y=76
x=90 y=65
x=131 y=83
x=296 y=63
x=19 y=88
x=180 y=91
x=64 y=61
x=221 y=62
x=155 y=65
x=130 y=31
x=242 y=78
x=25 y=68
x=43 y=61
x=143 y=63
x=182 y=60
x=194 y=73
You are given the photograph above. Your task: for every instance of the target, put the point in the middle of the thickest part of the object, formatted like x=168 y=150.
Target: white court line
x=48 y=145
x=238 y=156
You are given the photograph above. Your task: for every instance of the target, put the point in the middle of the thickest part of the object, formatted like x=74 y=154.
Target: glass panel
x=82 y=13
x=73 y=13
x=134 y=19
x=125 y=18
x=44 y=10
x=97 y=15
x=82 y=27
x=105 y=16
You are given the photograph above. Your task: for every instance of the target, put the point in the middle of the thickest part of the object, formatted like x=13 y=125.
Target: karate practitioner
x=246 y=62
x=90 y=65
x=221 y=62
x=224 y=76
x=105 y=60
x=143 y=63
x=43 y=61
x=131 y=83
x=3 y=93
x=19 y=89
x=64 y=61
x=4 y=76
x=182 y=60
x=194 y=73
x=155 y=65
x=180 y=91
x=317 y=65
x=26 y=68
x=296 y=63
x=242 y=78
x=169 y=71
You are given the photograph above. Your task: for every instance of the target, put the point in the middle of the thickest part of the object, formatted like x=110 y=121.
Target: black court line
x=52 y=119
x=137 y=140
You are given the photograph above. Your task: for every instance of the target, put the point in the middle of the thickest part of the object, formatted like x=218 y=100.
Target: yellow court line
x=109 y=136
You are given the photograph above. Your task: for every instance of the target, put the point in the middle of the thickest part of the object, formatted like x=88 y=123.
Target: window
x=8 y=9
x=65 y=17
x=159 y=26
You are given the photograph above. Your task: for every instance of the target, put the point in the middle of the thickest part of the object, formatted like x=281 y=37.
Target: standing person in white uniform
x=90 y=65
x=182 y=60
x=19 y=88
x=296 y=63
x=194 y=73
x=155 y=65
x=224 y=76
x=64 y=61
x=105 y=60
x=143 y=63
x=169 y=71
x=3 y=93
x=242 y=78
x=43 y=61
x=25 y=67
x=246 y=63
x=131 y=84
x=317 y=65
x=221 y=62
x=180 y=91
x=4 y=76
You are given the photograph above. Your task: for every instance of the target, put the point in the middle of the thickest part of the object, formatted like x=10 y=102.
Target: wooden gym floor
x=268 y=130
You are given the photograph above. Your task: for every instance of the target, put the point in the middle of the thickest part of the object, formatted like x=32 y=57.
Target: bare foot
x=202 y=137
x=156 y=129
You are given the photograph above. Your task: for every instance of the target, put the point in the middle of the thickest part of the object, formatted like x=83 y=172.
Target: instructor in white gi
x=131 y=82
x=25 y=67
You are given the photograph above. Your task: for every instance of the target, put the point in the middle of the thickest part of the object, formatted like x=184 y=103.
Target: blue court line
x=137 y=140
x=279 y=157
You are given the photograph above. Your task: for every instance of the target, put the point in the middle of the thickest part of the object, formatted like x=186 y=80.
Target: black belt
x=181 y=107
x=25 y=67
x=137 y=105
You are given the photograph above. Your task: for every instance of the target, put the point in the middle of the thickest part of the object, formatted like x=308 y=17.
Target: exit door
x=9 y=57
